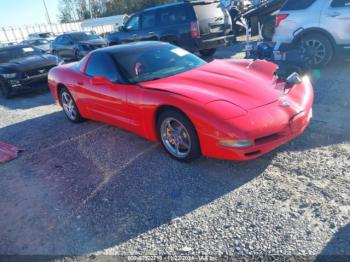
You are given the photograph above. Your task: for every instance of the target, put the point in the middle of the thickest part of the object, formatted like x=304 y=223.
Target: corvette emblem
x=42 y=71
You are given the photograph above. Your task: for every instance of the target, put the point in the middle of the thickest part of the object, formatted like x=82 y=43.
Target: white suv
x=321 y=27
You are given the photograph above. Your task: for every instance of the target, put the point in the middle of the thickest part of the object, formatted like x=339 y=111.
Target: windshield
x=83 y=37
x=92 y=37
x=79 y=37
x=151 y=64
x=8 y=55
x=46 y=35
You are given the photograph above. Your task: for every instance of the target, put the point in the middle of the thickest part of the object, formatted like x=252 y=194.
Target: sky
x=26 y=12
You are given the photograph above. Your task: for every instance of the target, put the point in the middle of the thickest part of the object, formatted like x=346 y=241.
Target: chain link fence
x=17 y=34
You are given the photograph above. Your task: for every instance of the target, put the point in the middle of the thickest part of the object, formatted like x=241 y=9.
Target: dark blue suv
x=196 y=26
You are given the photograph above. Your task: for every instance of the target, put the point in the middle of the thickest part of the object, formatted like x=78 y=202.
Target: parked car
x=22 y=67
x=47 y=35
x=321 y=27
x=76 y=45
x=40 y=43
x=227 y=109
x=196 y=26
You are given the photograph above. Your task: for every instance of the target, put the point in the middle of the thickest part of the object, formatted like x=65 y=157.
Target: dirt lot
x=92 y=188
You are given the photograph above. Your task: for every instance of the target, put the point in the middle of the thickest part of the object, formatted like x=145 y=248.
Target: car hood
x=245 y=83
x=30 y=63
x=97 y=42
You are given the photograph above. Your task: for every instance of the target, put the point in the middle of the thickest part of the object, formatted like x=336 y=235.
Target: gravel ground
x=91 y=188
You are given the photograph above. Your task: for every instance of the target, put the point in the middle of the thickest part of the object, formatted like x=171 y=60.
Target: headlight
x=85 y=47
x=9 y=76
x=236 y=143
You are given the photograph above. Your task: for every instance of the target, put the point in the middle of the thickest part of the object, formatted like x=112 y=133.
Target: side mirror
x=100 y=80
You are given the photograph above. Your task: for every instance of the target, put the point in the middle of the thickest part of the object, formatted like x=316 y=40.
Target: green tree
x=73 y=10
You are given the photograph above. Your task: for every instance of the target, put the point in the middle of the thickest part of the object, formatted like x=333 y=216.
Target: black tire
x=268 y=29
x=5 y=91
x=207 y=52
x=194 y=151
x=77 y=118
x=318 y=50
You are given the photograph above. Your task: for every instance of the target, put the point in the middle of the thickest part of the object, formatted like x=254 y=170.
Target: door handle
x=80 y=83
x=334 y=14
x=134 y=35
x=151 y=33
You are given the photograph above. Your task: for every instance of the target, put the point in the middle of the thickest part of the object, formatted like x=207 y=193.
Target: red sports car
x=226 y=109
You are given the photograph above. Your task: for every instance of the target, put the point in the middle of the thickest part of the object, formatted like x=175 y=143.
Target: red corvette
x=227 y=109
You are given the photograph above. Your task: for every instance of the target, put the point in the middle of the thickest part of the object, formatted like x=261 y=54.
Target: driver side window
x=340 y=3
x=101 y=64
x=133 y=24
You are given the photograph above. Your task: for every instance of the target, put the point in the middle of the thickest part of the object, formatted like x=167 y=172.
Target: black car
x=196 y=26
x=22 y=67
x=76 y=45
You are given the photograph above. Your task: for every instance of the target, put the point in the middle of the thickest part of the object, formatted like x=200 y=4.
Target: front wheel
x=178 y=136
x=69 y=106
x=207 y=52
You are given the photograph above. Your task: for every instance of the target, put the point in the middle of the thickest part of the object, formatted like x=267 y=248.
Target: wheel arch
x=60 y=86
x=315 y=30
x=163 y=108
x=169 y=38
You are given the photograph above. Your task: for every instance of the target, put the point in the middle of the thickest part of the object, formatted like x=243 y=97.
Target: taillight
x=194 y=29
x=280 y=18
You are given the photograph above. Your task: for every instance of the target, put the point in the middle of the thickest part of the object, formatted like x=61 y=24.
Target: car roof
x=164 y=6
x=131 y=47
x=73 y=33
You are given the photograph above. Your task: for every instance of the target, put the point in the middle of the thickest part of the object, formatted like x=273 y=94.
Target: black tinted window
x=58 y=40
x=65 y=40
x=156 y=62
x=102 y=65
x=297 y=4
x=341 y=3
x=133 y=24
x=148 y=20
x=176 y=15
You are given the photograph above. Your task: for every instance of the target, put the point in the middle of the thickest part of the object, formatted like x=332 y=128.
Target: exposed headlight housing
x=236 y=143
x=9 y=76
x=86 y=47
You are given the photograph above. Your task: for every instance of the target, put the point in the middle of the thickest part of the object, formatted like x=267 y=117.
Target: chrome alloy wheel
x=69 y=106
x=315 y=51
x=175 y=138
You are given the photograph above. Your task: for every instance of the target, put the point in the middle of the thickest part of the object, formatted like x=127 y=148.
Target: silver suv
x=321 y=27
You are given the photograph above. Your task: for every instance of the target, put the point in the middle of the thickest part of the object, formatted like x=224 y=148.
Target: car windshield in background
x=79 y=37
x=93 y=36
x=46 y=35
x=156 y=63
x=8 y=55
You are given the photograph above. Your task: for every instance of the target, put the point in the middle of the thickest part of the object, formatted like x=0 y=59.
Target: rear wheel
x=178 y=136
x=318 y=50
x=207 y=52
x=69 y=106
